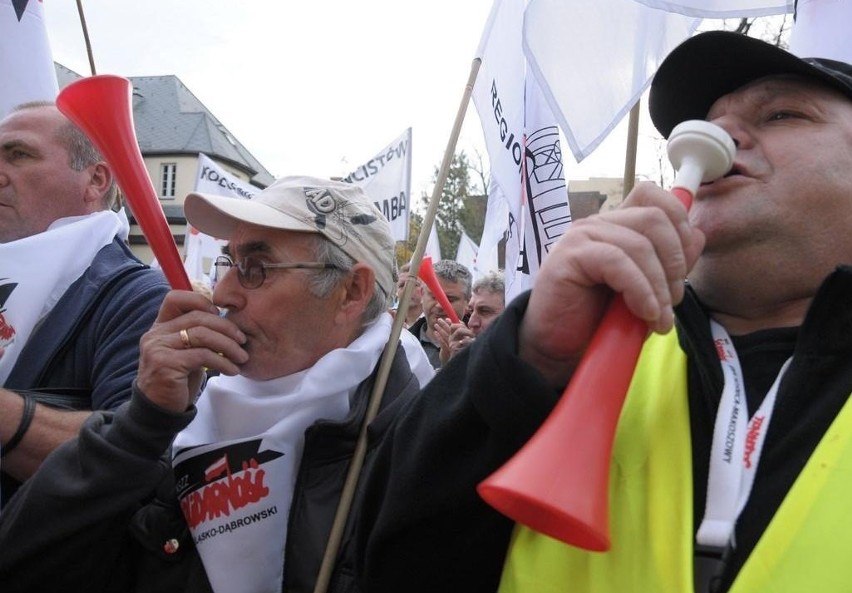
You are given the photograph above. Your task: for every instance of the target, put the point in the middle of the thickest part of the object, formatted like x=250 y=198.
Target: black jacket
x=432 y=351
x=812 y=392
x=99 y=513
x=425 y=528
x=422 y=527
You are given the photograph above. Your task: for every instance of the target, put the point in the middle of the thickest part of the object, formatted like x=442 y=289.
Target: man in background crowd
x=415 y=303
x=487 y=301
x=455 y=279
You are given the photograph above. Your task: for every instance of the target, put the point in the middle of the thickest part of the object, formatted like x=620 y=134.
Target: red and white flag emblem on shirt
x=216 y=469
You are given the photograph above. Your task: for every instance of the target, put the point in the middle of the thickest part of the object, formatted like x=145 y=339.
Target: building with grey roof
x=172 y=129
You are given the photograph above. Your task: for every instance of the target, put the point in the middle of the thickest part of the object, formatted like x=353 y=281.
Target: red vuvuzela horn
x=101 y=106
x=427 y=274
x=558 y=483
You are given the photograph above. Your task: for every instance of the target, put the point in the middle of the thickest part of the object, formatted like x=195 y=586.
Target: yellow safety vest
x=807 y=546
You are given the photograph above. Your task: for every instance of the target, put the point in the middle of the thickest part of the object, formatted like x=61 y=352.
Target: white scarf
x=236 y=463
x=417 y=358
x=36 y=271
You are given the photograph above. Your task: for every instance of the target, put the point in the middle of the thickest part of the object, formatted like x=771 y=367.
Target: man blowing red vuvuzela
x=245 y=497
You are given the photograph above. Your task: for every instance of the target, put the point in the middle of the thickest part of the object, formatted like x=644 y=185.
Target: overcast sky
x=312 y=87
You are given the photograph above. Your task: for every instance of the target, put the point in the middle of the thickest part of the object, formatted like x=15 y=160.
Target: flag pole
x=348 y=493
x=86 y=37
x=630 y=155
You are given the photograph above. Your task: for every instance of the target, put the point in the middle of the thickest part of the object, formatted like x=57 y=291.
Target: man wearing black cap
x=732 y=463
x=746 y=491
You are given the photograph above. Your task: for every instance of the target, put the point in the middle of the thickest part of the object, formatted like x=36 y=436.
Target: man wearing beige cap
x=245 y=497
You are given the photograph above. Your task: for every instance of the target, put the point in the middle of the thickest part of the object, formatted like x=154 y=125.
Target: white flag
x=498 y=95
x=593 y=60
x=466 y=253
x=387 y=180
x=722 y=9
x=545 y=208
x=26 y=63
x=496 y=218
x=523 y=146
x=433 y=245
x=821 y=30
x=201 y=250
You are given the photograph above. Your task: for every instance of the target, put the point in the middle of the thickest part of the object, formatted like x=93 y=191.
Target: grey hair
x=324 y=282
x=492 y=282
x=81 y=152
x=453 y=271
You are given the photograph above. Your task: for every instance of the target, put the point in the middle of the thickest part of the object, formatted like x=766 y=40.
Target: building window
x=167 y=181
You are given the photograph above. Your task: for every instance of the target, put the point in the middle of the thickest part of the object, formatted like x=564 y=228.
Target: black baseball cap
x=712 y=64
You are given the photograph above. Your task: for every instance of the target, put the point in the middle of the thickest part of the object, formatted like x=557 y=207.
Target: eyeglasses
x=251 y=272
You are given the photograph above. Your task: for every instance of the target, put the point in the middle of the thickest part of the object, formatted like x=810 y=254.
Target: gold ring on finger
x=184 y=337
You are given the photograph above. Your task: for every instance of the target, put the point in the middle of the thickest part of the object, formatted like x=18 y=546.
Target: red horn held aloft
x=101 y=106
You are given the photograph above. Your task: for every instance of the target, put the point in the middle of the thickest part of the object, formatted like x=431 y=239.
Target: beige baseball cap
x=339 y=211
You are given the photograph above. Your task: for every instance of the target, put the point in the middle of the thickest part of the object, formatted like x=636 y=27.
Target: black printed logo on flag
x=20 y=6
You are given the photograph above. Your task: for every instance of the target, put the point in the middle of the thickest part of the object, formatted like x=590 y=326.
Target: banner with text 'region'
x=523 y=146
x=387 y=180
x=26 y=63
x=200 y=249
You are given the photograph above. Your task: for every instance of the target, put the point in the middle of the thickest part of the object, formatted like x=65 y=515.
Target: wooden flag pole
x=86 y=37
x=348 y=493
x=630 y=156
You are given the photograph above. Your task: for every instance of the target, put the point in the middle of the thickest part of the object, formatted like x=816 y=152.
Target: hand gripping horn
x=101 y=106
x=558 y=483
x=427 y=274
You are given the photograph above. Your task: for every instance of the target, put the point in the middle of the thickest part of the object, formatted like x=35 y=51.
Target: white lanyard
x=736 y=448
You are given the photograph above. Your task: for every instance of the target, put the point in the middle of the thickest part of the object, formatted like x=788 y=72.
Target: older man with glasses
x=245 y=497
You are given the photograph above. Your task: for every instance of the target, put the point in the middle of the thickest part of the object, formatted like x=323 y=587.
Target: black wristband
x=23 y=425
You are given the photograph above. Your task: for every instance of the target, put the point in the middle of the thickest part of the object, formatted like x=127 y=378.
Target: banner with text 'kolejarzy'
x=200 y=249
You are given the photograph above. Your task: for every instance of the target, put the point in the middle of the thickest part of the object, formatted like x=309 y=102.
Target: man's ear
x=100 y=180
x=358 y=289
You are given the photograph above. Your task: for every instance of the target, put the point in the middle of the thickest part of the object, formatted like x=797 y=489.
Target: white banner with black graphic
x=545 y=208
x=498 y=95
x=523 y=146
x=387 y=180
